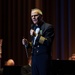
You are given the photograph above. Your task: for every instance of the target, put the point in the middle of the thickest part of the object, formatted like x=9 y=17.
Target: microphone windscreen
x=37 y=30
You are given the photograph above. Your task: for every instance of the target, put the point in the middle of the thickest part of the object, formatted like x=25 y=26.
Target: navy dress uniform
x=41 y=50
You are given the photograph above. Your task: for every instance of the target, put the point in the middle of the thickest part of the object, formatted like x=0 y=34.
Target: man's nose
x=33 y=17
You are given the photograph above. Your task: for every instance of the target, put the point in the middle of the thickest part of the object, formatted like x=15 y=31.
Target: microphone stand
x=26 y=50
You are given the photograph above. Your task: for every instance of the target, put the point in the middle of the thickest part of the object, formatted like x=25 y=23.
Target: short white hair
x=37 y=10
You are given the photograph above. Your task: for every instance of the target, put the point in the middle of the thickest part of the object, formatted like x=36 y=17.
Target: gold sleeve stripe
x=30 y=43
x=42 y=39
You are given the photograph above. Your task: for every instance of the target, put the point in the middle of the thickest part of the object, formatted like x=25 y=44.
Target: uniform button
x=37 y=51
x=38 y=46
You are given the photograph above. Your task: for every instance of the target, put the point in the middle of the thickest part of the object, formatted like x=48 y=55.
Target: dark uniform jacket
x=41 y=50
x=44 y=40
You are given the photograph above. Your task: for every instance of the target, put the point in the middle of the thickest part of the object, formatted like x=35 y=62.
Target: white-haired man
x=42 y=35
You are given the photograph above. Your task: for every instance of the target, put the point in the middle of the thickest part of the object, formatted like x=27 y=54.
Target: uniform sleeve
x=48 y=37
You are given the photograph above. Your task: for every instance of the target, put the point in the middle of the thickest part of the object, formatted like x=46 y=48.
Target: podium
x=63 y=67
x=58 y=67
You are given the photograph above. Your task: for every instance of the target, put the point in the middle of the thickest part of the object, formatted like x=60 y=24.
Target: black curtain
x=15 y=24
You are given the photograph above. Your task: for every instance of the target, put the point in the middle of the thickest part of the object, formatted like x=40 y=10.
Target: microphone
x=36 y=31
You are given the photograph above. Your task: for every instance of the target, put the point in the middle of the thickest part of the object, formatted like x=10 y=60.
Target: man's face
x=73 y=57
x=35 y=17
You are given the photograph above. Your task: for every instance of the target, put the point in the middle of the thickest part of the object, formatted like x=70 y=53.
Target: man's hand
x=32 y=32
x=24 y=41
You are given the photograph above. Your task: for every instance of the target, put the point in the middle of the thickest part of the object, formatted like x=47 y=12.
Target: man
x=10 y=62
x=42 y=35
x=26 y=70
x=73 y=57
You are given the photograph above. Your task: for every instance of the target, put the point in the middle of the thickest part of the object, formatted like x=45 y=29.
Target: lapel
x=43 y=29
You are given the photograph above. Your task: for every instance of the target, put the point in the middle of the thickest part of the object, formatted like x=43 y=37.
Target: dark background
x=15 y=24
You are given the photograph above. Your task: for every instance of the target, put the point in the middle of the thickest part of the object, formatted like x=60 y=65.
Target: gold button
x=37 y=51
x=38 y=46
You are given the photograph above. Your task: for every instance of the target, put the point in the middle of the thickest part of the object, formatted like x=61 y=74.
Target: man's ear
x=41 y=17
